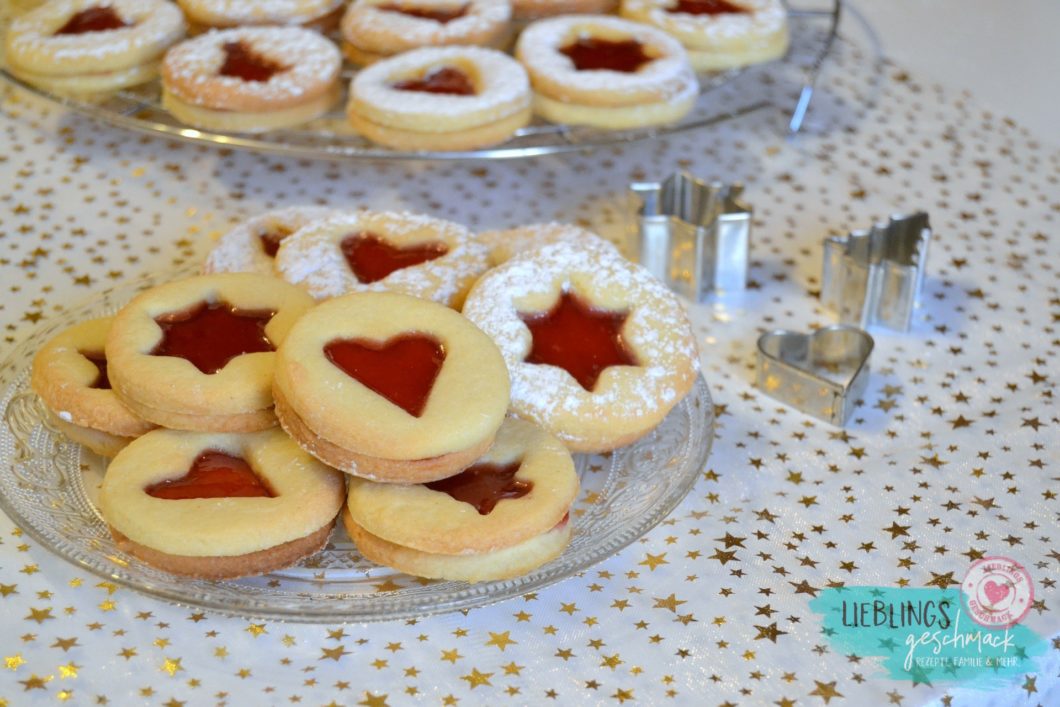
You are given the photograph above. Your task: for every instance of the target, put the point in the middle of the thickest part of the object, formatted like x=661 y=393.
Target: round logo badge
x=998 y=592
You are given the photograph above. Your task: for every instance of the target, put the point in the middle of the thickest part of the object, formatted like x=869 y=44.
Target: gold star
x=770 y=632
x=825 y=690
x=8 y=589
x=941 y=580
x=671 y=602
x=804 y=587
x=39 y=615
x=256 y=630
x=68 y=671
x=388 y=585
x=12 y=662
x=501 y=640
x=622 y=695
x=65 y=643
x=452 y=656
x=371 y=700
x=334 y=653
x=611 y=661
x=512 y=668
x=475 y=678
x=652 y=561
x=172 y=666
x=34 y=682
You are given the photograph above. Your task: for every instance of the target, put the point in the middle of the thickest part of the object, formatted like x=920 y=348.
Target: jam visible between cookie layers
x=211 y=335
x=706 y=7
x=270 y=240
x=213 y=474
x=402 y=370
x=371 y=258
x=578 y=338
x=483 y=485
x=438 y=14
x=595 y=53
x=102 y=381
x=442 y=79
x=243 y=62
x=93 y=19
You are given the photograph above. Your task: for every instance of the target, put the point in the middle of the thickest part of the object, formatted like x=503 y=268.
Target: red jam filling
x=211 y=335
x=214 y=474
x=243 y=62
x=483 y=485
x=439 y=14
x=270 y=240
x=578 y=338
x=402 y=370
x=93 y=19
x=371 y=258
x=595 y=53
x=443 y=79
x=706 y=7
x=102 y=382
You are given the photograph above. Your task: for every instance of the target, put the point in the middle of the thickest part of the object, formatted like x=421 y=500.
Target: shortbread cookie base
x=499 y=564
x=90 y=83
x=218 y=567
x=478 y=137
x=250 y=122
x=102 y=443
x=617 y=117
x=412 y=471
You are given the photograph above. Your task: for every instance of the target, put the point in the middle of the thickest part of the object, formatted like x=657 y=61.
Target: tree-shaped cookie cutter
x=691 y=234
x=873 y=277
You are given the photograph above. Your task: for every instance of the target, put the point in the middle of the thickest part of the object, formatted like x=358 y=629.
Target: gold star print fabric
x=950 y=456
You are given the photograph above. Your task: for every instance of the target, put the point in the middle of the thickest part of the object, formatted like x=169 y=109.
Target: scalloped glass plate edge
x=640 y=486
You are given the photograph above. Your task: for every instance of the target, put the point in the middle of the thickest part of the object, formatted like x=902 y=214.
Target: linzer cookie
x=502 y=517
x=606 y=72
x=598 y=350
x=88 y=46
x=377 y=29
x=383 y=251
x=252 y=245
x=251 y=79
x=70 y=376
x=390 y=387
x=219 y=505
x=444 y=98
x=718 y=34
x=198 y=354
x=320 y=14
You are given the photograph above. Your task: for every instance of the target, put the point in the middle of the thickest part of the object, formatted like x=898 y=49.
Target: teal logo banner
x=925 y=635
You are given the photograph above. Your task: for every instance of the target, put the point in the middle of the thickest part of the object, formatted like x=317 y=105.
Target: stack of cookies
x=426 y=384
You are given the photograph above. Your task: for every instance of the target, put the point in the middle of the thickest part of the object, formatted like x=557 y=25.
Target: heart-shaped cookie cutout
x=213 y=474
x=402 y=369
x=821 y=374
x=372 y=258
x=995 y=592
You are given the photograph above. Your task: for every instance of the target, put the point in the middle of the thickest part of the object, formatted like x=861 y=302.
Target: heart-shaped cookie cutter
x=691 y=234
x=873 y=277
x=821 y=374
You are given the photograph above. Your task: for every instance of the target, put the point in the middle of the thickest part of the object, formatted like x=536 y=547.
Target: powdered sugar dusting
x=312 y=257
x=32 y=43
x=505 y=244
x=241 y=12
x=241 y=249
x=656 y=330
x=388 y=32
x=191 y=68
x=539 y=45
x=502 y=85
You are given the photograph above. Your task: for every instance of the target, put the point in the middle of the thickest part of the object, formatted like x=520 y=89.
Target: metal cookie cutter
x=692 y=235
x=873 y=277
x=821 y=374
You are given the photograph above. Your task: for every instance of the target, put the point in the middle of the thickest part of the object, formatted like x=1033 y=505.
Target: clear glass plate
x=48 y=486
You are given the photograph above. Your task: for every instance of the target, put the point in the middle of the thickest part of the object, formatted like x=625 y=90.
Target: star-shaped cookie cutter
x=691 y=234
x=822 y=374
x=873 y=277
